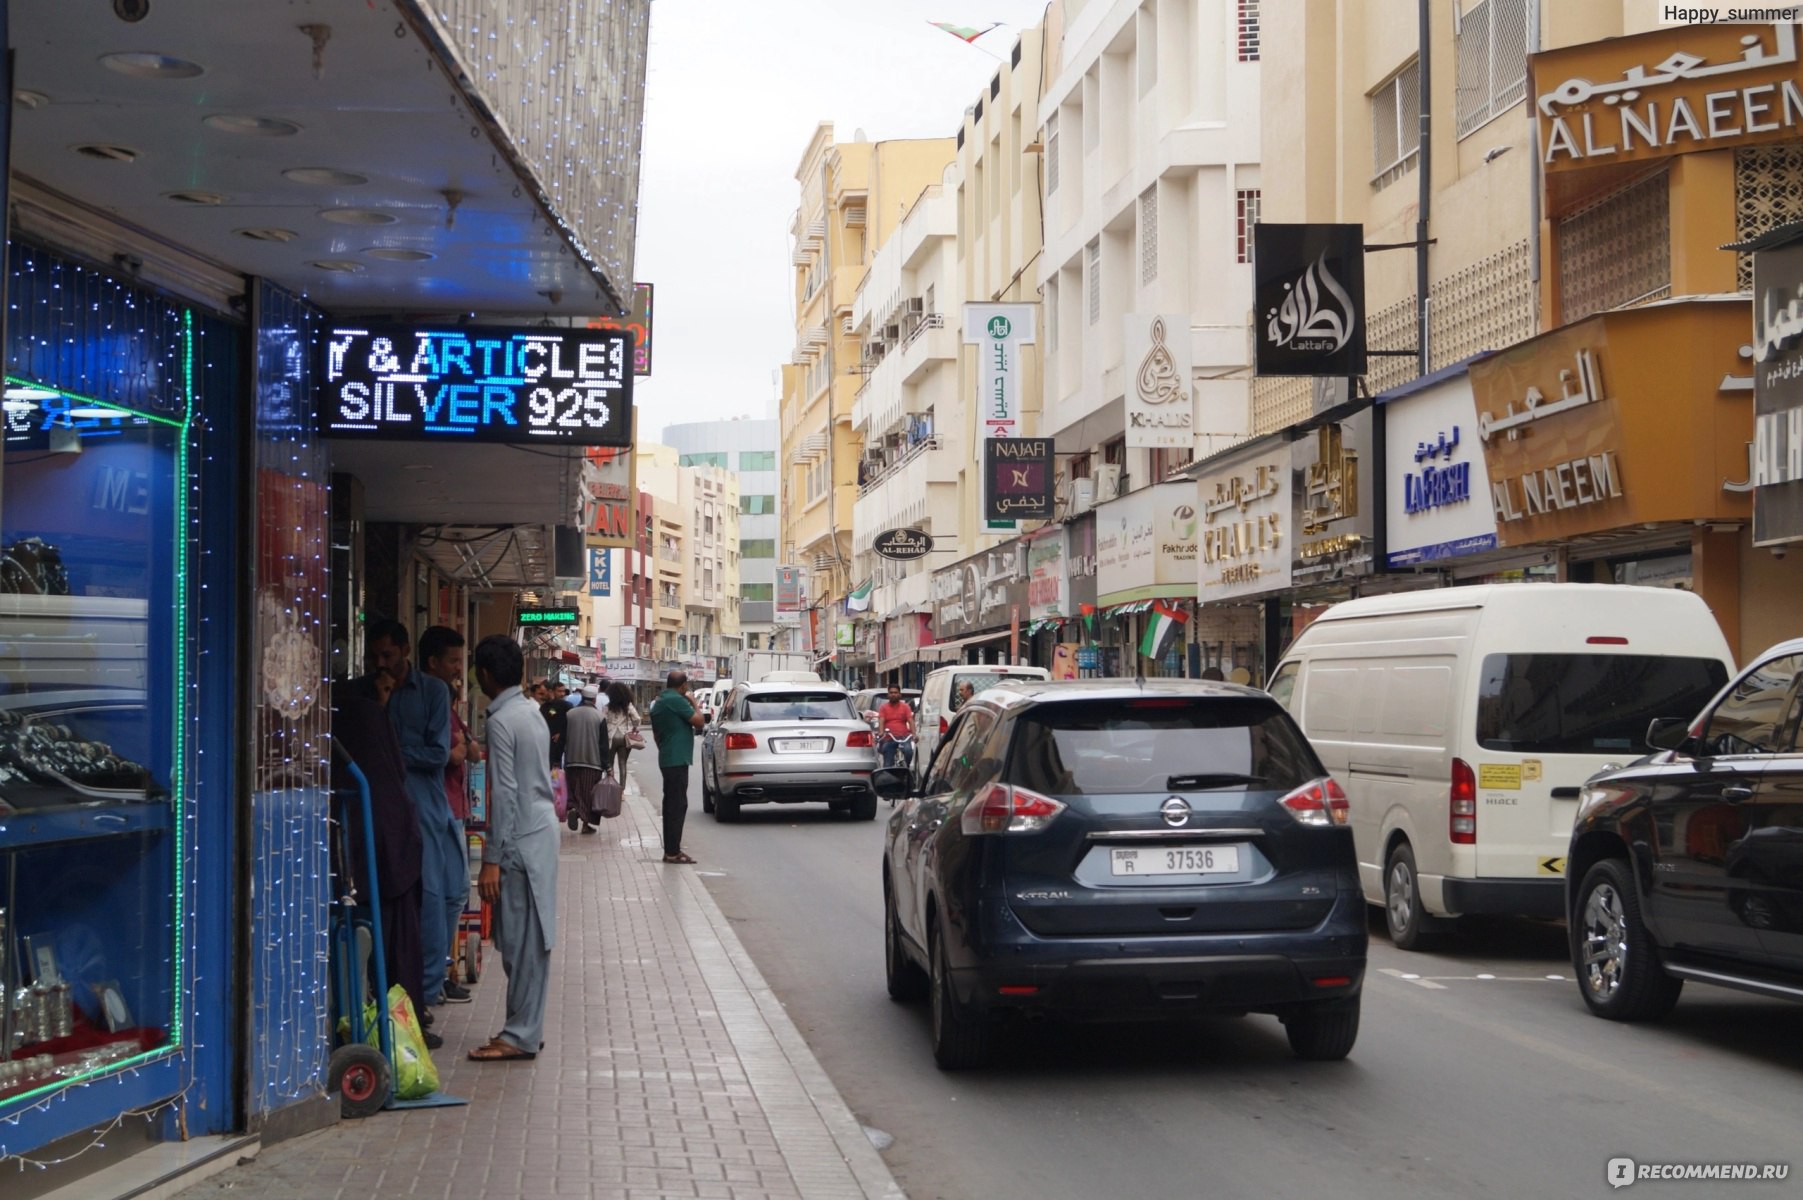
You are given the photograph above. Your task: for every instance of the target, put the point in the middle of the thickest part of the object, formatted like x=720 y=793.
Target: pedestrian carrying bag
x=608 y=796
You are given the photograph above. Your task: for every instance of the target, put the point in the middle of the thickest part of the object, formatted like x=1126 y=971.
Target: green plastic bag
x=415 y=1076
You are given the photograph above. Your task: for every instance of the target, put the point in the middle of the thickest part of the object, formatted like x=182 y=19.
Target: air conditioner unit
x=846 y=326
x=916 y=304
x=892 y=333
x=1108 y=482
x=1080 y=496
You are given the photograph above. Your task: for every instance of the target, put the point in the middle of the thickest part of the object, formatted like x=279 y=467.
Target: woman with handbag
x=622 y=728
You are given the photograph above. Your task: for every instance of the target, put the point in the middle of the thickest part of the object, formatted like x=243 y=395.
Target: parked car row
x=1122 y=849
x=1119 y=849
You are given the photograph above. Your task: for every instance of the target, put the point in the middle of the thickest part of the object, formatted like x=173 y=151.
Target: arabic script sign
x=1309 y=299
x=1017 y=479
x=1243 y=547
x=1438 y=490
x=1778 y=395
x=1673 y=91
x=1161 y=410
x=1551 y=432
x=903 y=545
x=1333 y=502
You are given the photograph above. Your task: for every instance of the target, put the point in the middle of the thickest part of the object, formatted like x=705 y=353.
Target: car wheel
x=707 y=793
x=960 y=1037
x=1411 y=928
x=838 y=807
x=864 y=807
x=726 y=809
x=1324 y=1032
x=905 y=979
x=1617 y=963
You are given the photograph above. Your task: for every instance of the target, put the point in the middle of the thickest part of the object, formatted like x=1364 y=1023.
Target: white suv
x=939 y=701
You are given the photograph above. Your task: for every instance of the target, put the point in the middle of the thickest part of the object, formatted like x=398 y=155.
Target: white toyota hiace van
x=1463 y=721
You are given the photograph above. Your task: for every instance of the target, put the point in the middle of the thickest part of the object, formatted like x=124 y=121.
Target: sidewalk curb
x=789 y=1081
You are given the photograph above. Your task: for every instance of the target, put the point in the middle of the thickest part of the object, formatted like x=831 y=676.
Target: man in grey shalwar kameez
x=519 y=859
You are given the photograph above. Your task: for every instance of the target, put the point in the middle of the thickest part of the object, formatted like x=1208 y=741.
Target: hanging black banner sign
x=1309 y=291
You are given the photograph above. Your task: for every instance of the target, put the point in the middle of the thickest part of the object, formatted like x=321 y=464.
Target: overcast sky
x=734 y=91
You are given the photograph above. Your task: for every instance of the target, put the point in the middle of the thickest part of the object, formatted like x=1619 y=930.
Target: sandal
x=678 y=858
x=500 y=1050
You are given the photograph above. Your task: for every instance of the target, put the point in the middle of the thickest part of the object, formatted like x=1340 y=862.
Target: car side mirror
x=1671 y=733
x=891 y=783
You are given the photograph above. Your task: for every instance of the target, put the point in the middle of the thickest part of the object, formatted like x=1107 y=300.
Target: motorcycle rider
x=895 y=720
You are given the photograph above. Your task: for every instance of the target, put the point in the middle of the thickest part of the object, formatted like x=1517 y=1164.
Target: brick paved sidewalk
x=670 y=1069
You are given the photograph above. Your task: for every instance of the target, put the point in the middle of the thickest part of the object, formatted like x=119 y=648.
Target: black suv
x=1110 y=849
x=1689 y=863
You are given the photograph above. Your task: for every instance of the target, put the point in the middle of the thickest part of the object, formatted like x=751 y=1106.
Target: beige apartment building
x=1581 y=202
x=852 y=198
x=710 y=595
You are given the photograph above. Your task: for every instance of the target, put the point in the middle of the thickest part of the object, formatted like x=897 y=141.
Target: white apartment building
x=1151 y=143
x=745 y=448
x=908 y=412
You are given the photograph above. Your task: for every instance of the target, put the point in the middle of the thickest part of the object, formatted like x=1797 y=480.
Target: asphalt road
x=1481 y=1078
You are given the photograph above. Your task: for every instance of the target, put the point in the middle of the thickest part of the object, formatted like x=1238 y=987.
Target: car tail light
x=1007 y=809
x=1318 y=803
x=859 y=739
x=1605 y=640
x=741 y=741
x=1462 y=812
x=943 y=726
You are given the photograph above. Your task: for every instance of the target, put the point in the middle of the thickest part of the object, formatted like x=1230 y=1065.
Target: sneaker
x=425 y=1018
x=456 y=994
x=573 y=819
x=433 y=1041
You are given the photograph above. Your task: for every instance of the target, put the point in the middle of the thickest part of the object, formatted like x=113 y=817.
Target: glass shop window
x=91 y=619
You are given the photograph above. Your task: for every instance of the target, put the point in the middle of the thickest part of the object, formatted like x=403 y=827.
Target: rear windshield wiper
x=1209 y=779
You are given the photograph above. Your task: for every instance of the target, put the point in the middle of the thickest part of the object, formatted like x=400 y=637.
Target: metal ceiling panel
x=380 y=106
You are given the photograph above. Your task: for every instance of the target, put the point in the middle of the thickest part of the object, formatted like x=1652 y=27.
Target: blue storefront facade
x=163 y=513
x=169 y=575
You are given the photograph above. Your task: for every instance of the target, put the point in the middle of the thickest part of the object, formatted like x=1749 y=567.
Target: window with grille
x=1492 y=61
x=1148 y=235
x=1768 y=192
x=1395 y=126
x=1616 y=252
x=1095 y=281
x=1051 y=154
x=1248 y=38
x=1245 y=216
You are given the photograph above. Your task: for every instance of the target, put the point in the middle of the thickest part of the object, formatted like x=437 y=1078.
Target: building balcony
x=929 y=343
x=921 y=453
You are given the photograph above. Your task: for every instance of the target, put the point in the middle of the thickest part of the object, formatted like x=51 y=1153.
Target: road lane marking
x=1414 y=979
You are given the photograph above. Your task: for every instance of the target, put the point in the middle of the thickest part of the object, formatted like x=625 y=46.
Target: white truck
x=754 y=666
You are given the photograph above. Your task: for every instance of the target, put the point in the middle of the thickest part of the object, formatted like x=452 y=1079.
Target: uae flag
x=859 y=600
x=964 y=33
x=1161 y=623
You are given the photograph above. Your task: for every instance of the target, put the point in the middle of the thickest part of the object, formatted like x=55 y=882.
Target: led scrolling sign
x=478 y=384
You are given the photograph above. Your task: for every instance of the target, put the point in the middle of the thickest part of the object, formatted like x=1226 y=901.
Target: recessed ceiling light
x=271 y=127
x=357 y=216
x=269 y=235
x=107 y=151
x=338 y=266
x=204 y=199
x=143 y=65
x=399 y=254
x=29 y=99
x=325 y=177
